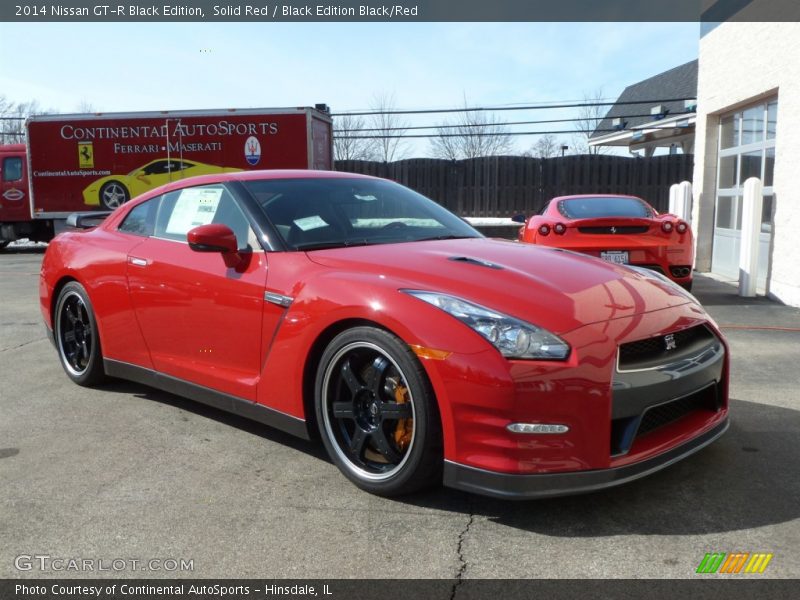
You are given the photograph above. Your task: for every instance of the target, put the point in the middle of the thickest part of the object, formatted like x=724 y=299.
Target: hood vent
x=474 y=261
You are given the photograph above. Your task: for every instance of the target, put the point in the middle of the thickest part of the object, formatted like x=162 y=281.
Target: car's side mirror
x=519 y=219
x=214 y=237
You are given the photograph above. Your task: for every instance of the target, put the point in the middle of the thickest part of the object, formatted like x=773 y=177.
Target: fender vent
x=474 y=261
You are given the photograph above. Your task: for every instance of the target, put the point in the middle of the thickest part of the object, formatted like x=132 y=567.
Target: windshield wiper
x=445 y=237
x=328 y=245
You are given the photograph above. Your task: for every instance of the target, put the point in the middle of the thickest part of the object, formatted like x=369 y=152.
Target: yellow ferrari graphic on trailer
x=114 y=190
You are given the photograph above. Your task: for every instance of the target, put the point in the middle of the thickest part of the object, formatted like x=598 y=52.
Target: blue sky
x=166 y=66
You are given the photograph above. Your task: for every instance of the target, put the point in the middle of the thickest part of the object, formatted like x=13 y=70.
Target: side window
x=12 y=168
x=188 y=208
x=157 y=168
x=141 y=219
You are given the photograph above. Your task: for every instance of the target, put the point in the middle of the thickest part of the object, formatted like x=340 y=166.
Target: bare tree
x=388 y=144
x=13 y=116
x=474 y=133
x=84 y=106
x=12 y=119
x=349 y=142
x=547 y=146
x=589 y=117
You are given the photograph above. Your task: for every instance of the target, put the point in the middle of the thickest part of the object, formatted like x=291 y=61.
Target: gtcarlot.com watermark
x=47 y=563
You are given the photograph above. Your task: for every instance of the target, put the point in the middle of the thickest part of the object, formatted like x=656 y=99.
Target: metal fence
x=502 y=186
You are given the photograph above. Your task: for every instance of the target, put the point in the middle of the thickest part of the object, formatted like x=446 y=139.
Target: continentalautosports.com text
x=45 y=562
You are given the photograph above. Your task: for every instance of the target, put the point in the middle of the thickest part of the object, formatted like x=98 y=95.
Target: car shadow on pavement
x=711 y=292
x=312 y=448
x=748 y=478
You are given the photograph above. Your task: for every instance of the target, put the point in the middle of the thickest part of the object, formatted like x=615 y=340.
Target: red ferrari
x=624 y=230
x=352 y=308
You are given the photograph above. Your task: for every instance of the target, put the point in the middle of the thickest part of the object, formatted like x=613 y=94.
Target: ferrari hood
x=553 y=288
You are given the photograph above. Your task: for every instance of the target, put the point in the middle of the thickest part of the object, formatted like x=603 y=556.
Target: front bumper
x=549 y=485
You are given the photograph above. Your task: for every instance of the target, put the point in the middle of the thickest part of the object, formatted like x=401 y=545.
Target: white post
x=685 y=201
x=751 y=228
x=673 y=198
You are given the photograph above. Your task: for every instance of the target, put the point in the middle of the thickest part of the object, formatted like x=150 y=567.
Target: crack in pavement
x=462 y=568
x=21 y=345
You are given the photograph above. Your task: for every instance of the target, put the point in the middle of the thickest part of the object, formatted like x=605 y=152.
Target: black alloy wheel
x=377 y=413
x=76 y=335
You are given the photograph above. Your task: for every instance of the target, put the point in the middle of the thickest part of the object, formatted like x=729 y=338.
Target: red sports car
x=624 y=230
x=352 y=308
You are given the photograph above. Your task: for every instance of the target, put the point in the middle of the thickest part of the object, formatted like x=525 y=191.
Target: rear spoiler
x=86 y=220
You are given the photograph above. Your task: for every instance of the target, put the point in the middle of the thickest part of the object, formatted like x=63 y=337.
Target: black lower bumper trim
x=549 y=485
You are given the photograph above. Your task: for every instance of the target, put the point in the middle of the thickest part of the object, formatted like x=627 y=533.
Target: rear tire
x=76 y=336
x=377 y=413
x=688 y=286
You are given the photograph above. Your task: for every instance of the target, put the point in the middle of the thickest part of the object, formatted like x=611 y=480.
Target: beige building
x=748 y=124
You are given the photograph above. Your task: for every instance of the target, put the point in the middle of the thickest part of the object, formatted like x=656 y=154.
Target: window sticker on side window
x=309 y=223
x=194 y=207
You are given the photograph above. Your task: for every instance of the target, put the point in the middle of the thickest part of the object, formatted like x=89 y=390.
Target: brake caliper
x=405 y=427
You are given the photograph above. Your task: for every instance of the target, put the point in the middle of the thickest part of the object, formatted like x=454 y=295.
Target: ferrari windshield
x=324 y=212
x=594 y=207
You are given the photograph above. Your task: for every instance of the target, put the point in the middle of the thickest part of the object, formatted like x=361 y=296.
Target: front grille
x=669 y=412
x=625 y=430
x=615 y=230
x=655 y=351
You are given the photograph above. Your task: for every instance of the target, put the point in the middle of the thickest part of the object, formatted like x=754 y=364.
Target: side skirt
x=232 y=404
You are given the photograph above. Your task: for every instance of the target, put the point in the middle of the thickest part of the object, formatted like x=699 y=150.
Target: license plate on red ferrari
x=618 y=257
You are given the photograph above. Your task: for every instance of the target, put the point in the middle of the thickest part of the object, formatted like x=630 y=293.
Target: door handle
x=139 y=262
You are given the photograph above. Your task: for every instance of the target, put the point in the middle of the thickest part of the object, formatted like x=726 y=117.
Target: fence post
x=674 y=190
x=685 y=201
x=751 y=228
x=680 y=200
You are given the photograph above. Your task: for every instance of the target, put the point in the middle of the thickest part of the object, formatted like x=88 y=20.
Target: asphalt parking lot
x=133 y=473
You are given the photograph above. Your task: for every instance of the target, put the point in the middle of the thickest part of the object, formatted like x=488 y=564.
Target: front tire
x=377 y=413
x=76 y=336
x=113 y=195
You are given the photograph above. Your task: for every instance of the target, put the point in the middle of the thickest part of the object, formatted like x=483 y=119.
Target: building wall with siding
x=740 y=64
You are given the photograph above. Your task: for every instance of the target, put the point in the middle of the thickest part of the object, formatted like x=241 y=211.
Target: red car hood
x=555 y=289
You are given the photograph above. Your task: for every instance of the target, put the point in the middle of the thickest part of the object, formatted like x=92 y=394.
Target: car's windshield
x=589 y=208
x=322 y=213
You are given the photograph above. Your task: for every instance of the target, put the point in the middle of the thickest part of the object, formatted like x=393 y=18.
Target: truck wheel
x=377 y=413
x=113 y=195
x=76 y=336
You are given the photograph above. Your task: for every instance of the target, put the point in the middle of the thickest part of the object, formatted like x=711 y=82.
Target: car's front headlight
x=512 y=337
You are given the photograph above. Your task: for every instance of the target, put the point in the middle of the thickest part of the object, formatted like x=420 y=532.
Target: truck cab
x=15 y=201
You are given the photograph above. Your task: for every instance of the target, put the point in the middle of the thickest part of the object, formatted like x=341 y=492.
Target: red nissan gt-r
x=352 y=308
x=624 y=230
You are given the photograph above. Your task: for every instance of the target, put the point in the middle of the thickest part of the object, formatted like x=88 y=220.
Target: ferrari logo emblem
x=613 y=230
x=85 y=155
x=669 y=342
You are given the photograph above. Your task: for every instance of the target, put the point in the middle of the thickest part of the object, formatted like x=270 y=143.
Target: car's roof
x=256 y=175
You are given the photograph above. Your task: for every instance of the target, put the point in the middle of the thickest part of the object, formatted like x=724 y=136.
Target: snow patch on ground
x=491 y=221
x=26 y=243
